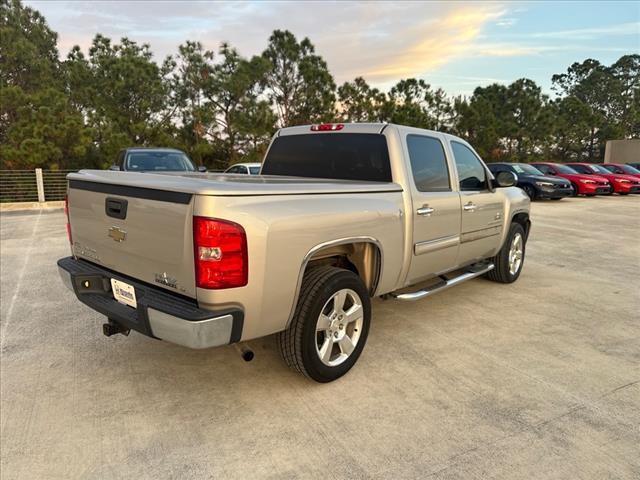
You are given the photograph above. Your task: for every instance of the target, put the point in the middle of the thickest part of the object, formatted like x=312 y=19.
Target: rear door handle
x=425 y=211
x=470 y=207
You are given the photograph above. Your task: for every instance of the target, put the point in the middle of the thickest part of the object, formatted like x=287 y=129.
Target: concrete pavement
x=538 y=379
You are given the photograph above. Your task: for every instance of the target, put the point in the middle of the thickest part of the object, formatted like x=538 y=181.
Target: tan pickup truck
x=339 y=214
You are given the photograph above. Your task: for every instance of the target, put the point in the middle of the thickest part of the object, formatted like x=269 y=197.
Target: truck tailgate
x=140 y=232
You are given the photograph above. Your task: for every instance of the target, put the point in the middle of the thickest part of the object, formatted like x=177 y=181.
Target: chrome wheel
x=339 y=327
x=516 y=252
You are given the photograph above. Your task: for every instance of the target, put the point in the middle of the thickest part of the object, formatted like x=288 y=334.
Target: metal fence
x=33 y=185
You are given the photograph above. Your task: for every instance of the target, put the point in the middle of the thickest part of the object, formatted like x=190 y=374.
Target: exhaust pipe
x=245 y=352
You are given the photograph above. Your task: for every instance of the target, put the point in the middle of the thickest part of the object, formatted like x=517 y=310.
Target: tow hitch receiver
x=112 y=327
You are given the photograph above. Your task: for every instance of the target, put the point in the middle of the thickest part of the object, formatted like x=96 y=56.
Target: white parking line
x=7 y=320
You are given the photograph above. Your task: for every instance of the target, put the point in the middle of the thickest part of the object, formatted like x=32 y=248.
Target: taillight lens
x=327 y=127
x=220 y=249
x=66 y=213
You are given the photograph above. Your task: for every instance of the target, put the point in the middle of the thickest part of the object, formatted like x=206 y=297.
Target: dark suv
x=535 y=183
x=140 y=159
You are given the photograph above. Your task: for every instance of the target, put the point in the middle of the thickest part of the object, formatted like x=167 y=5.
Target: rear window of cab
x=341 y=156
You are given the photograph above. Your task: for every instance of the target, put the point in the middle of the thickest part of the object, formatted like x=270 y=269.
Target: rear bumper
x=160 y=314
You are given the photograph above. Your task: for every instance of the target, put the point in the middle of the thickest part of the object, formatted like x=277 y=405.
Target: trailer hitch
x=112 y=327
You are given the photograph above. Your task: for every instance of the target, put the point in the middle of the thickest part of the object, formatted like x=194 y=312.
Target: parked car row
x=555 y=181
x=540 y=180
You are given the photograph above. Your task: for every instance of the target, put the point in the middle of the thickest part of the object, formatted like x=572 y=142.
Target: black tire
x=501 y=271
x=297 y=344
x=560 y=198
x=530 y=191
x=575 y=190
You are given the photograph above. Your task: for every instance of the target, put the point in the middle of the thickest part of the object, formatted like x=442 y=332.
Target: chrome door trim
x=480 y=234
x=436 y=244
x=333 y=243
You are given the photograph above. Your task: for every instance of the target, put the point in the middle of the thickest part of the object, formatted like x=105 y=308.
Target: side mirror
x=202 y=168
x=114 y=168
x=550 y=172
x=506 y=179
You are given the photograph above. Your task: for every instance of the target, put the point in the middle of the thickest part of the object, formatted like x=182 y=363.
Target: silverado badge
x=164 y=279
x=117 y=234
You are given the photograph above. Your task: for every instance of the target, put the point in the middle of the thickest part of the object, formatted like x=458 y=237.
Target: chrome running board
x=472 y=272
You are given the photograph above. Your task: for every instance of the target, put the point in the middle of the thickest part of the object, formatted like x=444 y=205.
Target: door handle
x=425 y=211
x=470 y=207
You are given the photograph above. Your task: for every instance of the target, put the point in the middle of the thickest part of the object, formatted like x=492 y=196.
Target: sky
x=454 y=45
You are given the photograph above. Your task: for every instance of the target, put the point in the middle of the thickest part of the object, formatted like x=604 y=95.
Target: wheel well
x=362 y=258
x=523 y=220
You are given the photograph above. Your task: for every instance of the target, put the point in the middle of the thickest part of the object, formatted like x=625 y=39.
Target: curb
x=22 y=206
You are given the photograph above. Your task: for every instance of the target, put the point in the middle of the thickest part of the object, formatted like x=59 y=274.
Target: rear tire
x=510 y=259
x=330 y=325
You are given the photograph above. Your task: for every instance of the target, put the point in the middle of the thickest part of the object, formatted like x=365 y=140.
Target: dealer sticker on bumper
x=124 y=293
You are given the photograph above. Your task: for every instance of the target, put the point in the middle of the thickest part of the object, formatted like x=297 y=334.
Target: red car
x=589 y=185
x=622 y=168
x=622 y=184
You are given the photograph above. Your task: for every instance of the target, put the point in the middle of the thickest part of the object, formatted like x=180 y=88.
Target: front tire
x=530 y=191
x=576 y=192
x=330 y=325
x=510 y=259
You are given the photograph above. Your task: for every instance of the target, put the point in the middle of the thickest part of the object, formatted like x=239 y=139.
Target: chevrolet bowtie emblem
x=117 y=234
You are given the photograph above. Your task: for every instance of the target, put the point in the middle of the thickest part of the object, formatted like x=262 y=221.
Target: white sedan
x=245 y=168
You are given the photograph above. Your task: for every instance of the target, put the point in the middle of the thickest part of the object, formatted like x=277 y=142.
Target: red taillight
x=327 y=127
x=220 y=249
x=66 y=212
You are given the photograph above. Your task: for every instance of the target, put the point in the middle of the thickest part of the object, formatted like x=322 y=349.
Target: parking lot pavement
x=538 y=379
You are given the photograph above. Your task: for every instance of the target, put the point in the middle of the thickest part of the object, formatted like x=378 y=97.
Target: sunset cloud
x=382 y=41
x=438 y=42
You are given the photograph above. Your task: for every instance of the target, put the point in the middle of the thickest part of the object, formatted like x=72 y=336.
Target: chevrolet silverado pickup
x=340 y=213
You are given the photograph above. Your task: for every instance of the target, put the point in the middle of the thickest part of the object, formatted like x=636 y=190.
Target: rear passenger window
x=471 y=172
x=428 y=164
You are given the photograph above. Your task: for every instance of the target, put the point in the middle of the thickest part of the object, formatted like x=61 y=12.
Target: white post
x=40 y=184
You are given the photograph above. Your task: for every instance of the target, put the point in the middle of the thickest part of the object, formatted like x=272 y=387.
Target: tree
x=39 y=127
x=359 y=102
x=506 y=122
x=46 y=131
x=123 y=94
x=28 y=52
x=191 y=76
x=233 y=95
x=609 y=98
x=477 y=122
x=298 y=81
x=528 y=119
x=412 y=102
x=409 y=102
x=570 y=129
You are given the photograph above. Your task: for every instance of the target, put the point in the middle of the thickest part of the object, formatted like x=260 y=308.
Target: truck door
x=436 y=208
x=482 y=209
